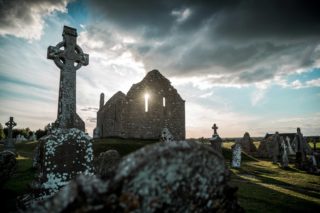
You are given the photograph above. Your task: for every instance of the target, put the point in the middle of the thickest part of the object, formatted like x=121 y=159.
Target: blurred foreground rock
x=164 y=177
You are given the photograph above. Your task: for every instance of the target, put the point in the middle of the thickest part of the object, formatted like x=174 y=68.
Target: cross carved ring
x=60 y=56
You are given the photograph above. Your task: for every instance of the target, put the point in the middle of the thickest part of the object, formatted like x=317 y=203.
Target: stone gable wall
x=127 y=117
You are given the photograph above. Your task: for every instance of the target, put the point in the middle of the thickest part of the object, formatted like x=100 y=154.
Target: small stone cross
x=69 y=57
x=215 y=127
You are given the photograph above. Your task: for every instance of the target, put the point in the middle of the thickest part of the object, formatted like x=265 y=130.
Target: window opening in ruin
x=163 y=101
x=146 y=102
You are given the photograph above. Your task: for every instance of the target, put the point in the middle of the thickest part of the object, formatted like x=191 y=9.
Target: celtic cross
x=69 y=57
x=215 y=127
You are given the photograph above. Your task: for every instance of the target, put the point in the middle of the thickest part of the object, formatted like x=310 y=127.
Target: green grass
x=124 y=147
x=262 y=186
x=265 y=187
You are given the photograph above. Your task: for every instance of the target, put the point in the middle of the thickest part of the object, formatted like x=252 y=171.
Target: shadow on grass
x=258 y=198
x=259 y=174
x=123 y=146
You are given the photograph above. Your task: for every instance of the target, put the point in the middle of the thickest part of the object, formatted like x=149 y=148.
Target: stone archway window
x=146 y=102
x=164 y=102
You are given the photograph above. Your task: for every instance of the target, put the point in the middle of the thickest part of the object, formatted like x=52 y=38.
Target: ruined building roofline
x=118 y=95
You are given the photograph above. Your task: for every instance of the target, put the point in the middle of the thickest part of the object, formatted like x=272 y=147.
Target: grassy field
x=263 y=186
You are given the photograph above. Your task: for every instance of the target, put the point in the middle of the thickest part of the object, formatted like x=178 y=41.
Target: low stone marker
x=163 y=177
x=166 y=136
x=106 y=163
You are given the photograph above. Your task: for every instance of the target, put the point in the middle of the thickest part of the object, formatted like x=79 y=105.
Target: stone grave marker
x=8 y=165
x=301 y=147
x=276 y=143
x=247 y=144
x=67 y=150
x=215 y=140
x=166 y=136
x=236 y=155
x=284 y=154
x=69 y=60
x=9 y=145
x=106 y=163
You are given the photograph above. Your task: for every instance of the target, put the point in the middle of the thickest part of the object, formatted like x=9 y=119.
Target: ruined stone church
x=144 y=111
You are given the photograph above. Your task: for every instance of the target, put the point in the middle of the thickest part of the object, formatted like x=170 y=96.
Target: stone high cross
x=69 y=57
x=215 y=127
x=10 y=124
x=9 y=143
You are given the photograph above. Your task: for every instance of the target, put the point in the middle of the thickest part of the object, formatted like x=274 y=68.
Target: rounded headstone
x=106 y=163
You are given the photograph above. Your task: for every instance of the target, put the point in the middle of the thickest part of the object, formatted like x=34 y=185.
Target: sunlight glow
x=146 y=102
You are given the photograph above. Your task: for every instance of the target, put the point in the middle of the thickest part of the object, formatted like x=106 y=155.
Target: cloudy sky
x=246 y=65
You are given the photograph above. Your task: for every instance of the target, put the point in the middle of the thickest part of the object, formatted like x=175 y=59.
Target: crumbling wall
x=125 y=116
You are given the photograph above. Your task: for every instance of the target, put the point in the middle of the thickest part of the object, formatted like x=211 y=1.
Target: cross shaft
x=69 y=57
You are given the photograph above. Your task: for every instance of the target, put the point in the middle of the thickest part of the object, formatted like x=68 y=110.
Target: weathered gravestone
x=8 y=144
x=284 y=154
x=20 y=138
x=8 y=165
x=106 y=163
x=215 y=140
x=164 y=177
x=265 y=148
x=166 y=136
x=276 y=143
x=247 y=144
x=301 y=147
x=67 y=150
x=33 y=137
x=236 y=155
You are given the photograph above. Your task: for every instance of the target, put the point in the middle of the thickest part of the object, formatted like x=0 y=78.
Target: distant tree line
x=26 y=132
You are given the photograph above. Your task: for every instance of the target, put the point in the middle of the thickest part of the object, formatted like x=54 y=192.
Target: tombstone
x=276 y=143
x=236 y=155
x=33 y=137
x=69 y=60
x=9 y=144
x=106 y=163
x=67 y=150
x=247 y=145
x=166 y=136
x=20 y=138
x=265 y=148
x=63 y=155
x=301 y=147
x=96 y=133
x=290 y=150
x=165 y=177
x=215 y=140
x=284 y=154
x=8 y=165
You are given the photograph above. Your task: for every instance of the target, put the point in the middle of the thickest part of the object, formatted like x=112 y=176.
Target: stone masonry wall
x=125 y=116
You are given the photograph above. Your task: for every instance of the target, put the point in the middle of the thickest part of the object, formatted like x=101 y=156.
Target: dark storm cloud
x=23 y=18
x=252 y=40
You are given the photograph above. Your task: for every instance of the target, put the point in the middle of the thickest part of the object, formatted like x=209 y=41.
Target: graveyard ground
x=263 y=187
